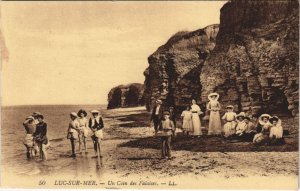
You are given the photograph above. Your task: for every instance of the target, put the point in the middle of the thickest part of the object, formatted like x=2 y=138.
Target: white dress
x=276 y=131
x=83 y=126
x=230 y=124
x=196 y=111
x=187 y=121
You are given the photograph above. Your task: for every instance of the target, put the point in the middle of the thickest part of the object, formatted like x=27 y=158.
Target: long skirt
x=187 y=125
x=229 y=128
x=214 y=123
x=196 y=124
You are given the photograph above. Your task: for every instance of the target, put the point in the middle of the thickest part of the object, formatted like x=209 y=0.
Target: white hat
x=242 y=114
x=213 y=94
x=230 y=106
x=30 y=117
x=95 y=111
x=73 y=114
x=265 y=115
x=158 y=101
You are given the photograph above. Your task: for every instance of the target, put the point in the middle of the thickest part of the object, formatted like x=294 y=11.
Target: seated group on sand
x=262 y=129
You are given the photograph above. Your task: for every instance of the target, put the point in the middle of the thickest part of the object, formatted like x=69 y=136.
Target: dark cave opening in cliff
x=277 y=103
x=116 y=99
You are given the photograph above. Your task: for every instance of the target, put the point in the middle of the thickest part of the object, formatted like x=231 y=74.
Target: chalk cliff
x=255 y=63
x=129 y=95
x=251 y=60
x=174 y=69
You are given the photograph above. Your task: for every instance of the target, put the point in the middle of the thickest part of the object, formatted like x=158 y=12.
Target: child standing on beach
x=167 y=126
x=229 y=117
x=83 y=128
x=73 y=132
x=187 y=123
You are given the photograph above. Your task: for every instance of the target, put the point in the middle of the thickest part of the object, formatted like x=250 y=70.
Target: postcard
x=149 y=94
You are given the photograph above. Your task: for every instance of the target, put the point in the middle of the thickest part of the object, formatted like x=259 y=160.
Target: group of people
x=260 y=130
x=36 y=141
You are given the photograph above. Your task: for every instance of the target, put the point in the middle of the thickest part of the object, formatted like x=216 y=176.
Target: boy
x=167 y=126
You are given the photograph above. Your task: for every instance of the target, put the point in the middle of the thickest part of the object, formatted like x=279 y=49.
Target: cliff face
x=255 y=63
x=174 y=69
x=130 y=95
x=251 y=60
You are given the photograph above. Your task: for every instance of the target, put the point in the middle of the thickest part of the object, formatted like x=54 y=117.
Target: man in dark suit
x=157 y=115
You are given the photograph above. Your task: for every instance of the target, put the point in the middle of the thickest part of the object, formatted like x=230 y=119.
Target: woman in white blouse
x=196 y=111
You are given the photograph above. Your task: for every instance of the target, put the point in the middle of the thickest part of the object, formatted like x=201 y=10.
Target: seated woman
x=250 y=130
x=276 y=131
x=230 y=124
x=263 y=130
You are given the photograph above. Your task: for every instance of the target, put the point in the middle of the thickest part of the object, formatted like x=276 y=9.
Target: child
x=83 y=127
x=241 y=125
x=96 y=125
x=40 y=136
x=73 y=132
x=230 y=123
x=187 y=123
x=28 y=141
x=167 y=126
x=262 y=129
x=276 y=131
x=214 y=119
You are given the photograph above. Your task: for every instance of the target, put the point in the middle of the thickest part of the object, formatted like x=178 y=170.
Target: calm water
x=57 y=117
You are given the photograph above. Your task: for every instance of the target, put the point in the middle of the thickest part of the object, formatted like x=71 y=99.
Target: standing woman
x=96 y=125
x=28 y=141
x=196 y=111
x=83 y=128
x=40 y=136
x=73 y=132
x=214 y=119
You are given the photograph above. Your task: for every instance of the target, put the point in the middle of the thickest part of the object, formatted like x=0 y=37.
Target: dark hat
x=247 y=118
x=40 y=116
x=36 y=113
x=274 y=118
x=82 y=111
x=166 y=113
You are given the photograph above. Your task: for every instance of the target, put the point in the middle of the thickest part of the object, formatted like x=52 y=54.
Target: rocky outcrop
x=251 y=60
x=130 y=95
x=255 y=64
x=174 y=69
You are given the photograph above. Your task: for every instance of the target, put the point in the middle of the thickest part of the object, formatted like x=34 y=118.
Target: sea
x=13 y=151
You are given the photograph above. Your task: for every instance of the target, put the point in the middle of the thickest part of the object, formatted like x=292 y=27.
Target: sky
x=75 y=52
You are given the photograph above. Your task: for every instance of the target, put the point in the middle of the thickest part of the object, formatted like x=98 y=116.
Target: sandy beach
x=132 y=152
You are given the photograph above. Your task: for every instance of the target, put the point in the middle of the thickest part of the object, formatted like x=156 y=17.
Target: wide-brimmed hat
x=158 y=101
x=265 y=115
x=82 y=111
x=242 y=114
x=36 y=113
x=230 y=106
x=30 y=117
x=95 y=111
x=213 y=94
x=274 y=118
x=166 y=113
x=73 y=114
